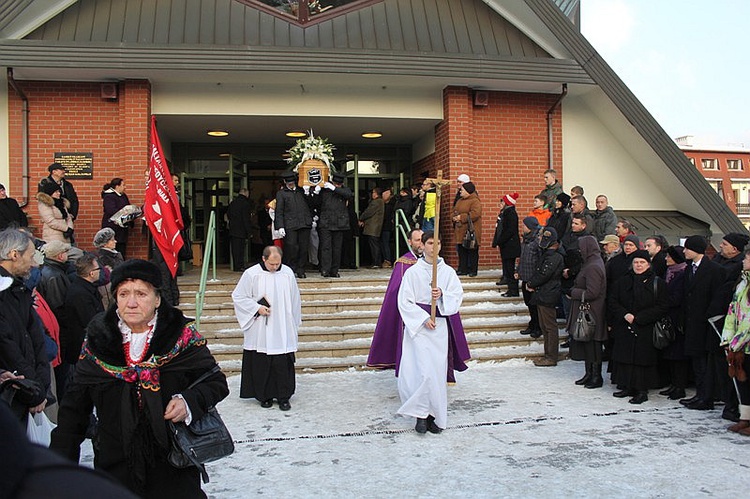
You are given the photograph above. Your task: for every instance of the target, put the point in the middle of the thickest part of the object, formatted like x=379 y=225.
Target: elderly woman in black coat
x=637 y=301
x=136 y=365
x=590 y=285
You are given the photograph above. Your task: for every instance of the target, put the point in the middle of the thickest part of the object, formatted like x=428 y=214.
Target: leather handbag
x=203 y=441
x=585 y=325
x=664 y=331
x=470 y=238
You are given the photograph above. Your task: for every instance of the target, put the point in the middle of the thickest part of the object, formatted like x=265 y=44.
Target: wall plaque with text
x=77 y=164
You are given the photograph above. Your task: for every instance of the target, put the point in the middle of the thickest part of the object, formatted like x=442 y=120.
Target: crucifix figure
x=438 y=182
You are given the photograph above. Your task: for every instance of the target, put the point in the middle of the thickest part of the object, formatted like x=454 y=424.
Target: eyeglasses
x=94 y=270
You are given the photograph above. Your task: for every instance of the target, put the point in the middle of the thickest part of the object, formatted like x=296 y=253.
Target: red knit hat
x=510 y=199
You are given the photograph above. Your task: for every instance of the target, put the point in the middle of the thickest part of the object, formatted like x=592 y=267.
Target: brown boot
x=745 y=431
x=545 y=362
x=740 y=425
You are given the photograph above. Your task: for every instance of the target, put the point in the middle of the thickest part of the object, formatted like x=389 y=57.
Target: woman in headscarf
x=53 y=211
x=590 y=285
x=467 y=207
x=113 y=200
x=137 y=362
x=637 y=301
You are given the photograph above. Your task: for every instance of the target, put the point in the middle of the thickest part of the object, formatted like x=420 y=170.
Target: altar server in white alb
x=268 y=307
x=424 y=355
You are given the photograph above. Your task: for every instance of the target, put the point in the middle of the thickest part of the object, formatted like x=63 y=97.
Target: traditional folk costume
x=270 y=341
x=424 y=354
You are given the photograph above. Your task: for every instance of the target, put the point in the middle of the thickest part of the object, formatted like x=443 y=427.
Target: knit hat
x=696 y=243
x=55 y=166
x=469 y=187
x=563 y=198
x=633 y=239
x=54 y=248
x=548 y=237
x=463 y=178
x=610 y=238
x=531 y=223
x=510 y=199
x=737 y=240
x=136 y=269
x=50 y=187
x=676 y=253
x=643 y=254
x=103 y=237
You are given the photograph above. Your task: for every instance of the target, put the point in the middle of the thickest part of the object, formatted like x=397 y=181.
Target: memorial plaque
x=77 y=164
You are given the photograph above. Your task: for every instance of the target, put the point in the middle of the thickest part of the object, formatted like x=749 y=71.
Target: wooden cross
x=438 y=182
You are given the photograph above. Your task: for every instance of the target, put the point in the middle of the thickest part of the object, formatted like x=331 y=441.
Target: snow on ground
x=514 y=430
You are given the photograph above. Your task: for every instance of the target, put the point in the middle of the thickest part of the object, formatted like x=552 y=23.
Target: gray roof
x=671 y=224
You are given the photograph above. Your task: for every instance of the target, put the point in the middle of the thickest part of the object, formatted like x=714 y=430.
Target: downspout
x=550 y=140
x=24 y=136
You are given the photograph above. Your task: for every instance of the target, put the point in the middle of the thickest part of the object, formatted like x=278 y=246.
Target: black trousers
x=468 y=259
x=533 y=313
x=238 y=246
x=296 y=244
x=375 y=255
x=509 y=271
x=331 y=242
x=700 y=364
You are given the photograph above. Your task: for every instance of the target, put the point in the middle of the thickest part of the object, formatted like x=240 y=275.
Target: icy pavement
x=514 y=430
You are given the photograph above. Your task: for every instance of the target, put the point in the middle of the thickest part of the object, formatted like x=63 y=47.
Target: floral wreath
x=311 y=148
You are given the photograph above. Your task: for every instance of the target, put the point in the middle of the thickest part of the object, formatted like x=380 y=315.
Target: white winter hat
x=464 y=178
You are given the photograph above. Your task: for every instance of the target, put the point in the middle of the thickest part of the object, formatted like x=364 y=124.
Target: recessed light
x=372 y=135
x=296 y=134
x=217 y=133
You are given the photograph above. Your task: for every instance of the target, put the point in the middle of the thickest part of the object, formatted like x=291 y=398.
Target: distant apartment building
x=727 y=169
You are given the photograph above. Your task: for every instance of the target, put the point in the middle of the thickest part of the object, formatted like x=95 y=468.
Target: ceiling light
x=372 y=135
x=217 y=133
x=296 y=134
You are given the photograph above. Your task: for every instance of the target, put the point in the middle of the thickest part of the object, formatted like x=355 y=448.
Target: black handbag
x=585 y=325
x=664 y=331
x=203 y=441
x=470 y=238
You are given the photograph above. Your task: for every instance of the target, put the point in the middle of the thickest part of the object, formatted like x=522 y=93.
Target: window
x=308 y=11
x=734 y=164
x=710 y=164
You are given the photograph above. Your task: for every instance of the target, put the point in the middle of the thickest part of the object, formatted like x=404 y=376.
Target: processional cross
x=438 y=182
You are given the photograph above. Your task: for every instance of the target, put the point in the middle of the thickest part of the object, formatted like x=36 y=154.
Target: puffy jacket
x=55 y=224
x=546 y=279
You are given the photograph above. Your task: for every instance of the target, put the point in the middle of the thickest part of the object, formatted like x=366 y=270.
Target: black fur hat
x=136 y=269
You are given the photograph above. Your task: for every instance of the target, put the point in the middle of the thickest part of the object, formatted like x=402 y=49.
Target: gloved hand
x=317 y=189
x=282 y=232
x=329 y=186
x=314 y=224
x=315 y=218
x=68 y=233
x=306 y=188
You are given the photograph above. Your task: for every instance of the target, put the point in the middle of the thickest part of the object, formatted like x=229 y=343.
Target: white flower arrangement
x=311 y=148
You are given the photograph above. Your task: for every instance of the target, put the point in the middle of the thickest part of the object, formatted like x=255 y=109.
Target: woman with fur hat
x=467 y=207
x=53 y=211
x=137 y=362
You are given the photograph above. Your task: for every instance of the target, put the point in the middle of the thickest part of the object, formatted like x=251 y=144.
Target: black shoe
x=689 y=401
x=335 y=275
x=565 y=344
x=668 y=391
x=301 y=275
x=460 y=272
x=595 y=382
x=432 y=427
x=677 y=393
x=266 y=403
x=640 y=398
x=730 y=414
x=623 y=393
x=503 y=282
x=421 y=425
x=701 y=405
x=284 y=405
x=528 y=330
x=325 y=274
x=472 y=274
x=585 y=379
x=536 y=334
x=509 y=294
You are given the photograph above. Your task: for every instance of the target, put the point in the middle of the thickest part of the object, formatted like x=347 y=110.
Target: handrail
x=400 y=229
x=209 y=250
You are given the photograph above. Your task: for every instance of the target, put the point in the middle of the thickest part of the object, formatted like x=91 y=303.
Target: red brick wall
x=503 y=148
x=72 y=117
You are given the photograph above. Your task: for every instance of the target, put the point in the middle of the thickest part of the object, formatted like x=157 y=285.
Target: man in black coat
x=506 y=239
x=238 y=214
x=334 y=221
x=293 y=222
x=11 y=215
x=546 y=289
x=57 y=176
x=82 y=302
x=657 y=250
x=703 y=300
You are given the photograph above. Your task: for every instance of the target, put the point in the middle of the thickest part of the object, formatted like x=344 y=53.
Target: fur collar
x=105 y=340
x=45 y=198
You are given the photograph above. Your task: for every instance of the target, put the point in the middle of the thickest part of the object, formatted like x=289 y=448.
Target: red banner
x=162 y=207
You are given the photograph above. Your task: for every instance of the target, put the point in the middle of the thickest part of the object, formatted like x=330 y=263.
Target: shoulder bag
x=664 y=332
x=203 y=441
x=585 y=325
x=470 y=238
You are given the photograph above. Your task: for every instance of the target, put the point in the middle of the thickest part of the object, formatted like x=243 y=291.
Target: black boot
x=596 y=380
x=586 y=377
x=640 y=398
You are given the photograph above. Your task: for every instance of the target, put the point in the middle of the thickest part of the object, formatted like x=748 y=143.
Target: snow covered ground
x=514 y=430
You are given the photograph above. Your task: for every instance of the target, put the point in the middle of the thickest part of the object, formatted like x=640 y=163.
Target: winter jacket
x=54 y=224
x=405 y=204
x=506 y=234
x=11 y=214
x=292 y=210
x=82 y=303
x=560 y=221
x=541 y=214
x=389 y=209
x=703 y=299
x=373 y=218
x=54 y=284
x=546 y=279
x=238 y=214
x=469 y=206
x=334 y=214
x=68 y=193
x=590 y=284
x=530 y=252
x=113 y=202
x=551 y=192
x=605 y=222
